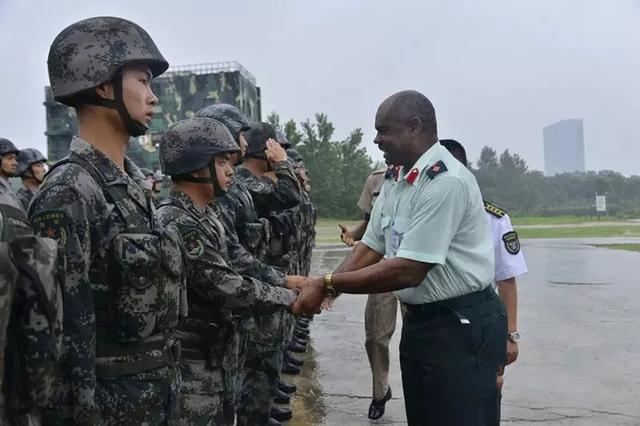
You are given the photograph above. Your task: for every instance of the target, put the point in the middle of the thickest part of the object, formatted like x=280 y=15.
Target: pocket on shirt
x=400 y=226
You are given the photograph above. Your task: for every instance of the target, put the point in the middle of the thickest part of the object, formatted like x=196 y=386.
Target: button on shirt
x=438 y=220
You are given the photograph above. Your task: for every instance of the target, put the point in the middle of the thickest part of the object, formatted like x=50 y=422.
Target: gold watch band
x=328 y=285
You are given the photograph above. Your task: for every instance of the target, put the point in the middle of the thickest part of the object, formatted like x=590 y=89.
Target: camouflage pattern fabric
x=9 y=196
x=123 y=292
x=260 y=383
x=24 y=195
x=213 y=282
x=30 y=316
x=266 y=337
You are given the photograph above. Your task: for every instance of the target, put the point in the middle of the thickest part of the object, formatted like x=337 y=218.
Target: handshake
x=312 y=294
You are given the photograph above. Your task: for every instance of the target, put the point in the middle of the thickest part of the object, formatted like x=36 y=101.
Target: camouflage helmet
x=282 y=140
x=258 y=136
x=190 y=144
x=91 y=52
x=228 y=115
x=28 y=157
x=295 y=157
x=7 y=147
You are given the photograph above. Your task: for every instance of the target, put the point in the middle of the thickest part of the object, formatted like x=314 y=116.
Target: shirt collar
x=412 y=175
x=187 y=202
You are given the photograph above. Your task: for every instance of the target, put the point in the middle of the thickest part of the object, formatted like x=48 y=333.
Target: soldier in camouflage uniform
x=247 y=239
x=31 y=169
x=30 y=316
x=196 y=154
x=124 y=273
x=271 y=198
x=8 y=167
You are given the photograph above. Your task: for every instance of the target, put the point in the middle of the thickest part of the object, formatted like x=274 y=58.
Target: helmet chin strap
x=133 y=127
x=212 y=180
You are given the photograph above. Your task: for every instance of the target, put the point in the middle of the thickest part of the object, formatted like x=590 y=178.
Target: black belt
x=465 y=300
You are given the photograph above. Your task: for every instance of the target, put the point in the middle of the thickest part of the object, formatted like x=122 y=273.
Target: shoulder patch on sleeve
x=511 y=242
x=256 y=185
x=193 y=242
x=436 y=169
x=52 y=224
x=494 y=210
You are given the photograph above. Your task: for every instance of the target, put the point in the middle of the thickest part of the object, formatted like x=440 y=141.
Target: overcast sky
x=496 y=71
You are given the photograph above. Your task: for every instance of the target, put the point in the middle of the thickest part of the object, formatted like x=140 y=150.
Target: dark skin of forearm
x=360 y=257
x=381 y=277
x=508 y=291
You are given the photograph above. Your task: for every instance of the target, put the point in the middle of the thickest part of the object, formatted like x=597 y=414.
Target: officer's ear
x=415 y=126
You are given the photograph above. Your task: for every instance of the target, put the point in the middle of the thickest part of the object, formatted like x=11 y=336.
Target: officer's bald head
x=407 y=106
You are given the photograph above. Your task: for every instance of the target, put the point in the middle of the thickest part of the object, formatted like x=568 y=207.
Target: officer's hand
x=312 y=294
x=275 y=152
x=327 y=303
x=294 y=281
x=512 y=352
x=346 y=236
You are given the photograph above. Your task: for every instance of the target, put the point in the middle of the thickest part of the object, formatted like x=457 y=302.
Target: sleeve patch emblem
x=193 y=243
x=511 y=242
x=52 y=224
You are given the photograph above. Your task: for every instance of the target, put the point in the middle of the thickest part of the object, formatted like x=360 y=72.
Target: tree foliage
x=337 y=168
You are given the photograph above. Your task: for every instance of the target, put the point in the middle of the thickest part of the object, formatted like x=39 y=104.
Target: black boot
x=273 y=422
x=281 y=414
x=287 y=388
x=288 y=368
x=295 y=347
x=281 y=397
x=289 y=358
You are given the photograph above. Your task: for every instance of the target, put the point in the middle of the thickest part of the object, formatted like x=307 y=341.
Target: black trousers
x=450 y=353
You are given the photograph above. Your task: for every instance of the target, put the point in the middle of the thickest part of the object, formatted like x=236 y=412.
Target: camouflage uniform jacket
x=25 y=195
x=211 y=281
x=123 y=278
x=30 y=313
x=269 y=197
x=246 y=234
x=9 y=196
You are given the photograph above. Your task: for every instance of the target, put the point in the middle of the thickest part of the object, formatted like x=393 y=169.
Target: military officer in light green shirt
x=429 y=242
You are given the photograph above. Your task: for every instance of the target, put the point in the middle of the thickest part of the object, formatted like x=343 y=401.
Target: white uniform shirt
x=433 y=213
x=509 y=258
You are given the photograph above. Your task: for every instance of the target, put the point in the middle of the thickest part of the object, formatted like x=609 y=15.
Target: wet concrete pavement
x=579 y=362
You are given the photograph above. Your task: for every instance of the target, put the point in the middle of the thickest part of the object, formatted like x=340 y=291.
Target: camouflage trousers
x=148 y=398
x=258 y=381
x=203 y=397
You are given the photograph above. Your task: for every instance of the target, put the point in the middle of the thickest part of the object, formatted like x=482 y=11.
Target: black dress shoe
x=286 y=387
x=273 y=422
x=281 y=397
x=288 y=368
x=281 y=414
x=376 y=409
x=295 y=347
x=287 y=357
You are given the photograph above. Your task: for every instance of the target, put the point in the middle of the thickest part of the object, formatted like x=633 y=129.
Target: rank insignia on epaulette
x=494 y=210
x=436 y=169
x=51 y=224
x=193 y=243
x=511 y=242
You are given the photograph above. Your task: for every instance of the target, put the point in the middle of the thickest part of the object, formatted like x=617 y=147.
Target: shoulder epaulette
x=436 y=169
x=494 y=210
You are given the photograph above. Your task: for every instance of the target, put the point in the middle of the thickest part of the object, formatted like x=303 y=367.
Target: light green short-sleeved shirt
x=434 y=213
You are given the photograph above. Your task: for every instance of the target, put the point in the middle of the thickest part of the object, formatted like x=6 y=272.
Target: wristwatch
x=328 y=286
x=514 y=336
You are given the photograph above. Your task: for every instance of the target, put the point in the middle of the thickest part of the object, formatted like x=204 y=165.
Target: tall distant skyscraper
x=563 y=147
